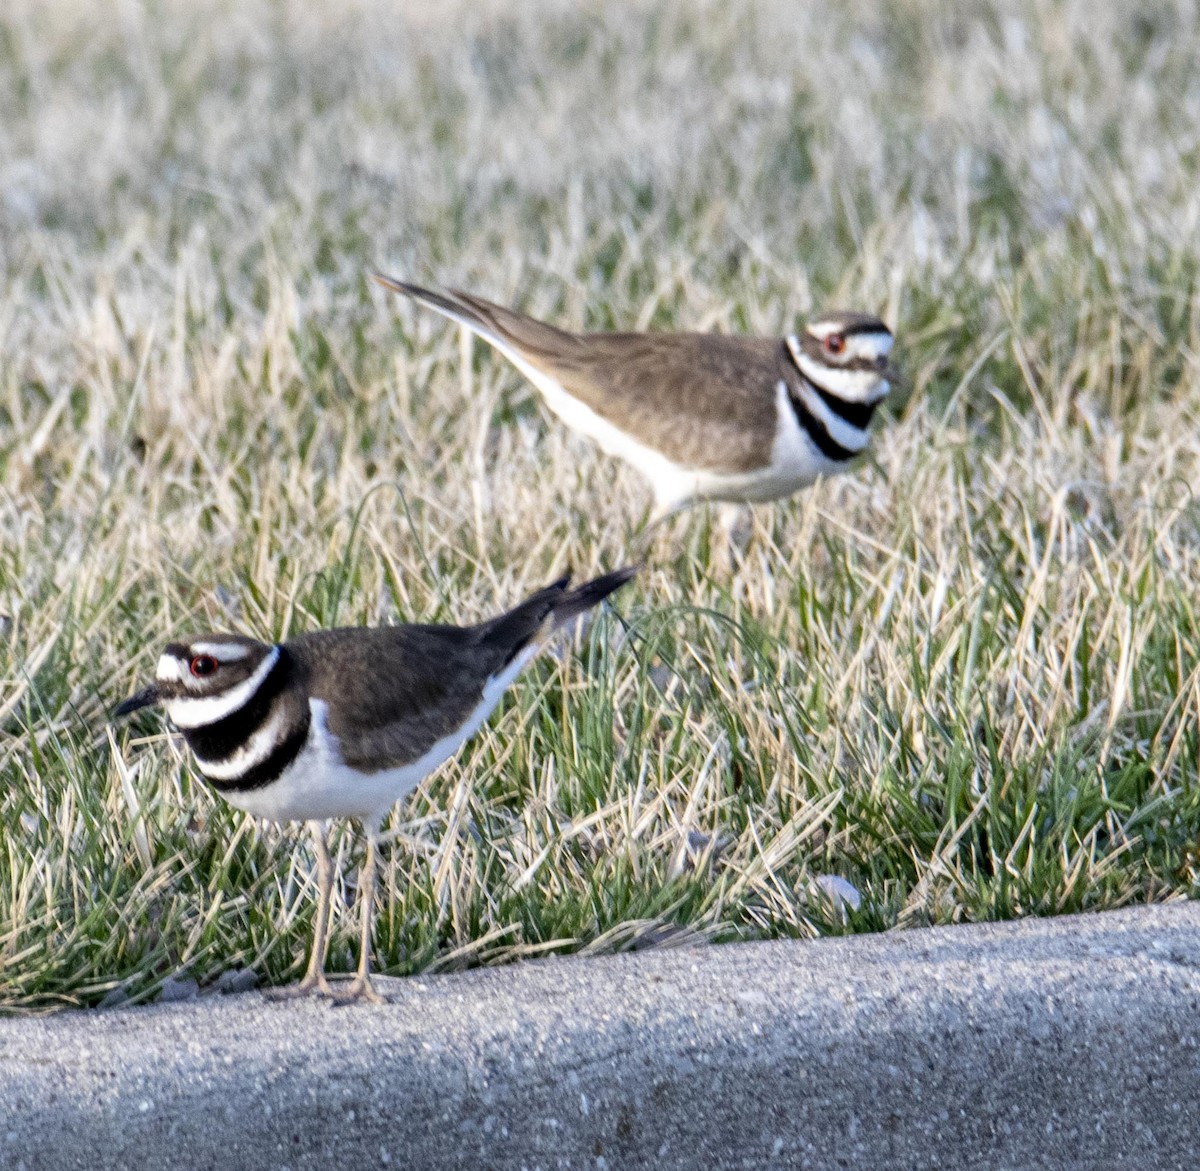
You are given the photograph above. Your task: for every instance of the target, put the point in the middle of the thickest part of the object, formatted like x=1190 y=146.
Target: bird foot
x=360 y=990
x=309 y=986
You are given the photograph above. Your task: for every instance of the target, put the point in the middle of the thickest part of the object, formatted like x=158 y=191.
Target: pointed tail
x=572 y=603
x=520 y=338
x=548 y=610
x=448 y=304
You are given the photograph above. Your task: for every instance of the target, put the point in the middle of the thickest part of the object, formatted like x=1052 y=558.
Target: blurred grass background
x=961 y=678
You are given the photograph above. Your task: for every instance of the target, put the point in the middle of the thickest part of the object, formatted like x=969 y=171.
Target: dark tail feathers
x=557 y=601
x=572 y=603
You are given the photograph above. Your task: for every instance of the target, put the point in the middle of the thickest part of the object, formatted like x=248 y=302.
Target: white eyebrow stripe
x=223 y=652
x=199 y=711
x=252 y=752
x=874 y=344
x=821 y=329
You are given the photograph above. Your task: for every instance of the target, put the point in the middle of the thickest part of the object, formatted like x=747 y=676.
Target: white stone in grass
x=838 y=891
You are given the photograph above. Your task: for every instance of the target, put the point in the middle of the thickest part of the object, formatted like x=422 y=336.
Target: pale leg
x=314 y=979
x=361 y=987
x=736 y=521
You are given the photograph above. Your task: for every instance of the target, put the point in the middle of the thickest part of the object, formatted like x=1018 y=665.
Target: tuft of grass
x=962 y=678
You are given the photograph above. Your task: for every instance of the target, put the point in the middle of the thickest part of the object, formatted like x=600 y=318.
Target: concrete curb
x=1065 y=1043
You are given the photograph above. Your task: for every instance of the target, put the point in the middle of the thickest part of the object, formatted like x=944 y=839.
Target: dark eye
x=835 y=343
x=203 y=665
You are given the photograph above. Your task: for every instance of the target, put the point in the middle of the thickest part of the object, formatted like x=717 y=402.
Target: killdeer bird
x=343 y=723
x=702 y=416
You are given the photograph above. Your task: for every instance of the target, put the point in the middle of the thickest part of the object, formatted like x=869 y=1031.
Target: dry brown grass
x=962 y=678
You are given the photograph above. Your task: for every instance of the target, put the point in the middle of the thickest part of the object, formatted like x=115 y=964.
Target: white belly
x=319 y=785
x=795 y=459
x=668 y=479
x=795 y=463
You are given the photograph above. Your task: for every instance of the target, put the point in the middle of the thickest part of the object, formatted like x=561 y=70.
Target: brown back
x=704 y=400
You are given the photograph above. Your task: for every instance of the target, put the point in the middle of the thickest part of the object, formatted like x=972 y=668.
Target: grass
x=962 y=678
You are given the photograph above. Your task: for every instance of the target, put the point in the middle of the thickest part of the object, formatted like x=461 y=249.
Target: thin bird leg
x=736 y=522
x=361 y=987
x=314 y=979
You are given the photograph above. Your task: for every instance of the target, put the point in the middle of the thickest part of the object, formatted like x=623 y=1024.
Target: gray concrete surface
x=1067 y=1043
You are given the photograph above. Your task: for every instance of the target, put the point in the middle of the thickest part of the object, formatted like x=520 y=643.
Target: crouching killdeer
x=702 y=416
x=343 y=723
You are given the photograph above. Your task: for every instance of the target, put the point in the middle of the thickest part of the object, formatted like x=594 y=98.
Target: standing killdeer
x=343 y=723
x=702 y=416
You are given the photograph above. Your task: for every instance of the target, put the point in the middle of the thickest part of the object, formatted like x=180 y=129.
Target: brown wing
x=706 y=401
x=403 y=688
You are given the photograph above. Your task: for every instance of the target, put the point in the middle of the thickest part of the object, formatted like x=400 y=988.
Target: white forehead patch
x=223 y=652
x=170 y=670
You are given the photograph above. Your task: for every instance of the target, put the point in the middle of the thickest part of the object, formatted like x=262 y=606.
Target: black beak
x=144 y=698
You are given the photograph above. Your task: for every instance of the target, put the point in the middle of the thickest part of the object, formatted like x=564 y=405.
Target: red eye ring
x=203 y=665
x=835 y=343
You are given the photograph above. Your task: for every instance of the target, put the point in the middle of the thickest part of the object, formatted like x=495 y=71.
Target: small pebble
x=178 y=989
x=235 y=980
x=117 y=996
